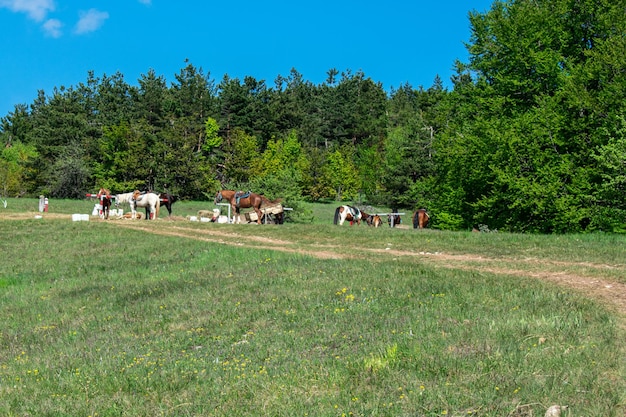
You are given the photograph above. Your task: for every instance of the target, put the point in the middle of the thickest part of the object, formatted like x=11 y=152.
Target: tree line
x=530 y=138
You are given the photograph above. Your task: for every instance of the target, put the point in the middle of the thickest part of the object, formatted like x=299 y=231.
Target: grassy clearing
x=109 y=321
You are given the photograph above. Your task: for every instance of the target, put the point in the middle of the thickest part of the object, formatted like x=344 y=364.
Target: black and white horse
x=349 y=213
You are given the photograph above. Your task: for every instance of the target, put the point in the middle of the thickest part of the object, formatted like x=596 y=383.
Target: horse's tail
x=156 y=208
x=265 y=200
x=337 y=215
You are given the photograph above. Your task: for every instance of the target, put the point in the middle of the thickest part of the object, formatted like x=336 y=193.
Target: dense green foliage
x=531 y=137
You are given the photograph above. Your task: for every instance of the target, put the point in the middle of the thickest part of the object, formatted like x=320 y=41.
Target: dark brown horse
x=243 y=199
x=166 y=200
x=393 y=220
x=104 y=196
x=420 y=219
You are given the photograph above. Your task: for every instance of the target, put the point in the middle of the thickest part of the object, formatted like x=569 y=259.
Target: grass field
x=179 y=318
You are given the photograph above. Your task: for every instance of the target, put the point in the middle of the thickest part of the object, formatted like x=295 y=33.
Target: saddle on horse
x=241 y=194
x=355 y=212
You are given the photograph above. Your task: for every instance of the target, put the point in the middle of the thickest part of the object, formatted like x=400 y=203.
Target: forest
x=530 y=138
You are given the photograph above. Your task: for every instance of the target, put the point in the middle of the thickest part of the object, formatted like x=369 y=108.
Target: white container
x=76 y=217
x=193 y=218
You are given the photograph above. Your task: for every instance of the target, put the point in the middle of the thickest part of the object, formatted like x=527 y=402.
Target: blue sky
x=53 y=43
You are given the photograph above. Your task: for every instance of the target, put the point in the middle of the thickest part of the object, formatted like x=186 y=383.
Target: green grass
x=100 y=320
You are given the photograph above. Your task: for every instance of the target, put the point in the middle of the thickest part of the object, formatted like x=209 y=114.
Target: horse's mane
x=104 y=191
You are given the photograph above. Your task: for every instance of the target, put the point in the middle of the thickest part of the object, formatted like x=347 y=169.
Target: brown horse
x=376 y=220
x=104 y=196
x=420 y=219
x=241 y=199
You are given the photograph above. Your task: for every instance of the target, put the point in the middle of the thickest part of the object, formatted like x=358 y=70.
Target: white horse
x=123 y=198
x=150 y=201
x=352 y=214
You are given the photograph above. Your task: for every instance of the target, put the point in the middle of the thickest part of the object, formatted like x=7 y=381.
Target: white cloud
x=35 y=9
x=52 y=27
x=38 y=10
x=90 y=21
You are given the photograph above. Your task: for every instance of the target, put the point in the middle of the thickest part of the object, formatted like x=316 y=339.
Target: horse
x=149 y=200
x=376 y=221
x=241 y=199
x=167 y=200
x=351 y=214
x=393 y=220
x=420 y=219
x=105 y=198
x=123 y=198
